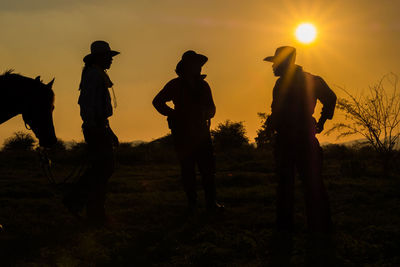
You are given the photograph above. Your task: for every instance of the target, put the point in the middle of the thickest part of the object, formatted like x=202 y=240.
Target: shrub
x=264 y=138
x=230 y=135
x=19 y=141
x=375 y=116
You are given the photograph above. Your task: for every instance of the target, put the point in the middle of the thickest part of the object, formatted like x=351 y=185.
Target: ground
x=148 y=205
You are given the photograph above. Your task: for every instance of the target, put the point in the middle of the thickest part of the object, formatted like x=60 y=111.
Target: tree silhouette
x=375 y=116
x=229 y=135
x=264 y=138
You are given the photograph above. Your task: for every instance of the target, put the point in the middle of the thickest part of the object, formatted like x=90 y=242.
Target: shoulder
x=205 y=84
x=317 y=78
x=320 y=83
x=173 y=83
x=91 y=75
x=171 y=88
x=92 y=72
x=307 y=75
x=313 y=77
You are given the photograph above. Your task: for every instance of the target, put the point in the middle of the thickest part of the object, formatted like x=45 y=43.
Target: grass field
x=148 y=204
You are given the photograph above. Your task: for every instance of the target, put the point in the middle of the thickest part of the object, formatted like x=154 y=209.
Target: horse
x=31 y=98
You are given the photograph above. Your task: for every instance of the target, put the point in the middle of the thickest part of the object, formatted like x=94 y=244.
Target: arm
x=161 y=99
x=328 y=99
x=210 y=108
x=275 y=106
x=89 y=97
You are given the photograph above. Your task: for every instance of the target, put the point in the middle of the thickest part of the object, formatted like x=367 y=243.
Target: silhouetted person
x=297 y=149
x=189 y=122
x=96 y=108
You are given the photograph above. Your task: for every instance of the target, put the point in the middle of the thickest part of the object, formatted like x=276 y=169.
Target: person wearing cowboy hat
x=95 y=109
x=297 y=149
x=189 y=122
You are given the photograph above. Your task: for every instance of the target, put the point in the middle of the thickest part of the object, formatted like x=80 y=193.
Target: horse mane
x=27 y=80
x=8 y=72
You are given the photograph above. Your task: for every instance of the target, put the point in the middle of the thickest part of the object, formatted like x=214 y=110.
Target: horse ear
x=37 y=78
x=50 y=84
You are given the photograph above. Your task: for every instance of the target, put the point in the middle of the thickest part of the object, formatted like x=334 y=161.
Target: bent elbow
x=156 y=103
x=212 y=112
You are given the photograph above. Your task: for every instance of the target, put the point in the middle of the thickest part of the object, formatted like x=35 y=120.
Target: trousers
x=302 y=155
x=91 y=187
x=195 y=148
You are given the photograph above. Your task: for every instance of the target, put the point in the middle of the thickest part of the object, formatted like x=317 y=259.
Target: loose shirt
x=193 y=102
x=294 y=99
x=95 y=99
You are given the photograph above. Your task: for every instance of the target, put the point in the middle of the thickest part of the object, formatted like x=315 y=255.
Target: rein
x=46 y=166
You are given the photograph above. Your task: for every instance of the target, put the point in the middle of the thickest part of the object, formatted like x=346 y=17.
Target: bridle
x=27 y=126
x=46 y=166
x=27 y=119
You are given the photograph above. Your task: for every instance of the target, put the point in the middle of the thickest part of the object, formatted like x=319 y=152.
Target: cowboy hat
x=100 y=48
x=191 y=57
x=281 y=54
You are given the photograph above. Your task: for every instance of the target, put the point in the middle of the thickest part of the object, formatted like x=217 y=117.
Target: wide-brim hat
x=282 y=54
x=98 y=48
x=191 y=57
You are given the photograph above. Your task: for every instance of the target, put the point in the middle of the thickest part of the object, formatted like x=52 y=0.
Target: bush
x=160 y=150
x=337 y=151
x=264 y=139
x=19 y=141
x=375 y=116
x=78 y=147
x=230 y=135
x=59 y=146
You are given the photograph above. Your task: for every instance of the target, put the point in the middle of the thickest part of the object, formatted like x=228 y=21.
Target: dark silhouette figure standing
x=96 y=108
x=297 y=149
x=189 y=122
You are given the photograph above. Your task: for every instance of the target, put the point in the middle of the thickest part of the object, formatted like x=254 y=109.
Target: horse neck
x=15 y=99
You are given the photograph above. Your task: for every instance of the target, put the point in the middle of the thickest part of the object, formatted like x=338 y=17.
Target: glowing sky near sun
x=306 y=33
x=357 y=42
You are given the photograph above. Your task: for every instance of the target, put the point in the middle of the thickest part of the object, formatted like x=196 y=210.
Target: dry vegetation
x=148 y=204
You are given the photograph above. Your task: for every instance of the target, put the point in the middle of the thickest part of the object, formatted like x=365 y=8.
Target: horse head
x=38 y=112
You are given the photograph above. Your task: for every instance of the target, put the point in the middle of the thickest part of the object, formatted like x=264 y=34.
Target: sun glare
x=306 y=33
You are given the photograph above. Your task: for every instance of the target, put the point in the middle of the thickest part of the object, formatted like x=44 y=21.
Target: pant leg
x=206 y=163
x=77 y=196
x=184 y=148
x=97 y=195
x=188 y=176
x=309 y=164
x=285 y=164
x=101 y=158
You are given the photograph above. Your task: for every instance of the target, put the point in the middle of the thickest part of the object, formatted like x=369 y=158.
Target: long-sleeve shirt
x=95 y=99
x=294 y=99
x=193 y=102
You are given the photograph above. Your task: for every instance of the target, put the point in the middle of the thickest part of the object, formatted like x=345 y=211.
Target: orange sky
x=358 y=43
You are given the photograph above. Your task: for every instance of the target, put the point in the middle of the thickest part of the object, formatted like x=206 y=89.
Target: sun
x=306 y=33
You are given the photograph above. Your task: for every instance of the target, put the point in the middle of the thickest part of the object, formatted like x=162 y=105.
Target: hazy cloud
x=40 y=5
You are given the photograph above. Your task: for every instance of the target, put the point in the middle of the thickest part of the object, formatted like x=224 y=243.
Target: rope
x=114 y=98
x=45 y=164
